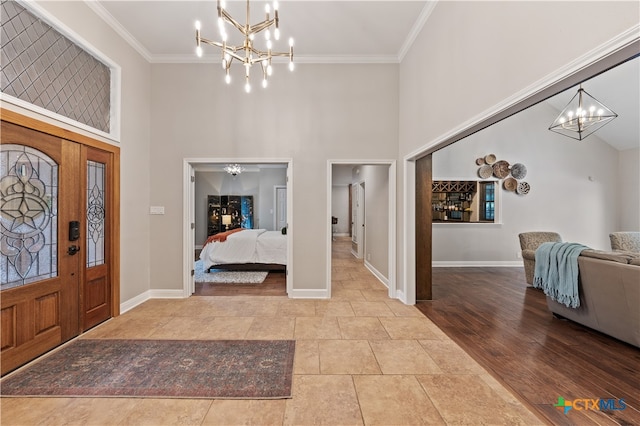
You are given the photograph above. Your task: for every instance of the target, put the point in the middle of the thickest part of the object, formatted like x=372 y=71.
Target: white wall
x=376 y=239
x=340 y=208
x=314 y=114
x=629 y=191
x=562 y=198
x=340 y=179
x=471 y=56
x=134 y=142
x=259 y=184
x=265 y=207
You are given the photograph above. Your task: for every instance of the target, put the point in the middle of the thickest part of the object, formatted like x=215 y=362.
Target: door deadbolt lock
x=73 y=250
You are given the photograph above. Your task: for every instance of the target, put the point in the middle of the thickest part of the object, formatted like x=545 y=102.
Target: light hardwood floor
x=361 y=358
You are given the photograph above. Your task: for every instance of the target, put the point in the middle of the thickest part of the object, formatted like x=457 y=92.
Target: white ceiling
x=323 y=31
x=619 y=90
x=342 y=31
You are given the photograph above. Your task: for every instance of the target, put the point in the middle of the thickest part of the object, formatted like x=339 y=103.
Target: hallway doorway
x=369 y=231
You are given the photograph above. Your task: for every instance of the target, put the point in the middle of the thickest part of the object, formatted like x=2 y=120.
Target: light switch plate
x=156 y=210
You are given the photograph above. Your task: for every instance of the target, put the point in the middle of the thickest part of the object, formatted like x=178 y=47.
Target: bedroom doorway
x=205 y=180
x=372 y=228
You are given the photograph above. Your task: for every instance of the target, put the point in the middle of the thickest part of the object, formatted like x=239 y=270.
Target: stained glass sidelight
x=95 y=213
x=28 y=216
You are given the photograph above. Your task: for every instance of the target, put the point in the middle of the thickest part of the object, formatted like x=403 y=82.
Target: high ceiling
x=618 y=89
x=341 y=31
x=324 y=31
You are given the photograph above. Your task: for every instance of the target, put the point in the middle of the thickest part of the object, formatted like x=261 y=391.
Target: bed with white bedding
x=247 y=249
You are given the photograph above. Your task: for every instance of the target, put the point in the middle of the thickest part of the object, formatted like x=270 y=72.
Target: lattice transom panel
x=42 y=67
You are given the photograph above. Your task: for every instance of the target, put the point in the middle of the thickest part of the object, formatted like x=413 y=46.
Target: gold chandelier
x=246 y=53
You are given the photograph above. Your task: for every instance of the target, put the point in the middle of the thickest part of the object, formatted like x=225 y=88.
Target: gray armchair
x=529 y=242
x=625 y=241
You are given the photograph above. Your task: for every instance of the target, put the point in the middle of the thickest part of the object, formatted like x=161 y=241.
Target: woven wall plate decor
x=485 y=171
x=501 y=169
x=489 y=158
x=510 y=184
x=480 y=161
x=518 y=171
x=523 y=188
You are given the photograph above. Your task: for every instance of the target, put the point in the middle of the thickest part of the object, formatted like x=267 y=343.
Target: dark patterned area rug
x=225 y=369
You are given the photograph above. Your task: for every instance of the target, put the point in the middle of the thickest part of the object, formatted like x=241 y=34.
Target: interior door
x=354 y=214
x=281 y=207
x=361 y=220
x=40 y=270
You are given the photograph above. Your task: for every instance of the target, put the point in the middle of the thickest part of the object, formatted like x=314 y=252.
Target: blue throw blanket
x=556 y=272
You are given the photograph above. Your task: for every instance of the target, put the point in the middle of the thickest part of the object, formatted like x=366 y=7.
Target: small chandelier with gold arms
x=247 y=53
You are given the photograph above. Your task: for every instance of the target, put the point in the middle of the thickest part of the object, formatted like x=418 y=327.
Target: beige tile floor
x=361 y=358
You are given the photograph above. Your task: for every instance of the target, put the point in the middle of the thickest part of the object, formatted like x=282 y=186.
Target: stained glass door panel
x=96 y=294
x=39 y=279
x=28 y=216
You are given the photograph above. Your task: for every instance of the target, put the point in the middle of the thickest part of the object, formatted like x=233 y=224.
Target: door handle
x=73 y=250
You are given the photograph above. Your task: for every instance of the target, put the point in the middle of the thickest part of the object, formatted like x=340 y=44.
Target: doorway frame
x=188 y=214
x=604 y=57
x=392 y=218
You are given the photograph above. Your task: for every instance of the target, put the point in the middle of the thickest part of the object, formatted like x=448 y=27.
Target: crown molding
x=118 y=28
x=300 y=59
x=417 y=27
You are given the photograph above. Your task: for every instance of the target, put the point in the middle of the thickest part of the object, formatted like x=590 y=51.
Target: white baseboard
x=477 y=264
x=401 y=296
x=133 y=302
x=150 y=294
x=309 y=294
x=384 y=280
x=166 y=294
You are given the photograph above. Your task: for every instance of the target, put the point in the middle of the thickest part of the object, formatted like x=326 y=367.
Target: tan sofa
x=609 y=289
x=529 y=242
